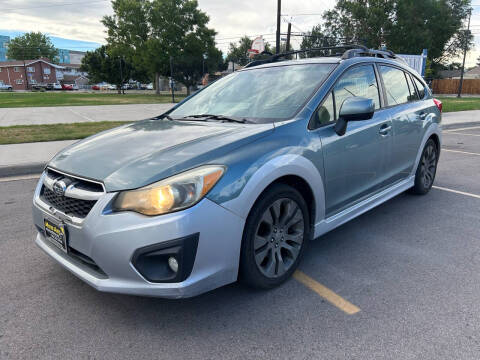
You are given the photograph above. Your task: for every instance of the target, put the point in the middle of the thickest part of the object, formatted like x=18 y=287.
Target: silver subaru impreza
x=233 y=182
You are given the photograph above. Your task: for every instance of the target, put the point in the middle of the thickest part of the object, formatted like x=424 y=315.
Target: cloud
x=231 y=19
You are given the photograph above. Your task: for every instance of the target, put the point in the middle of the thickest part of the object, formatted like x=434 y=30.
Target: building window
x=33 y=81
x=16 y=69
x=30 y=69
x=19 y=81
x=0 y=69
x=46 y=71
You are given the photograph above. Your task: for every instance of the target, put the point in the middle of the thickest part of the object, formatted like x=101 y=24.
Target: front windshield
x=259 y=95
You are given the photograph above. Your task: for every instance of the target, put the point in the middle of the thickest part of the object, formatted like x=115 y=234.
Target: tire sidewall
x=419 y=187
x=249 y=272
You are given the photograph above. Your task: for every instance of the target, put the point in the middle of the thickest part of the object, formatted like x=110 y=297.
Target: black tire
x=283 y=247
x=427 y=169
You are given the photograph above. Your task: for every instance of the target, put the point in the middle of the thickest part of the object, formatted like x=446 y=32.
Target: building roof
x=72 y=78
x=445 y=74
x=474 y=71
x=27 y=63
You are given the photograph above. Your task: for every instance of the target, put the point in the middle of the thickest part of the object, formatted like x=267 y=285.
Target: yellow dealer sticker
x=55 y=233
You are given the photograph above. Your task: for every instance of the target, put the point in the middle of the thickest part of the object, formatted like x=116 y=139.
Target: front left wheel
x=275 y=236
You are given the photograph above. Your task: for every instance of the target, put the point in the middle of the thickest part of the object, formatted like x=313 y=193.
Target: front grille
x=70 y=206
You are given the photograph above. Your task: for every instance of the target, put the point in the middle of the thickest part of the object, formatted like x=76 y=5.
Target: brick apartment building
x=39 y=71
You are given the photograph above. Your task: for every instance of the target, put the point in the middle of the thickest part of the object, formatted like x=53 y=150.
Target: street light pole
x=467 y=32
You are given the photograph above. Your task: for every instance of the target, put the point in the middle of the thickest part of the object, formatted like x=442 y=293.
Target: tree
x=103 y=64
x=153 y=32
x=31 y=46
x=404 y=26
x=314 y=39
x=238 y=52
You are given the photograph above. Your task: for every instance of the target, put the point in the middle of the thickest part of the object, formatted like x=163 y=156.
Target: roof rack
x=351 y=51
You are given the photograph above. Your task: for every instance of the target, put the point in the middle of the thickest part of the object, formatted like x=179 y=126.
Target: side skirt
x=336 y=220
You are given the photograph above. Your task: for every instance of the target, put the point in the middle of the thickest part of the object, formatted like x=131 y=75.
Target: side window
x=396 y=86
x=325 y=114
x=358 y=81
x=420 y=87
x=413 y=93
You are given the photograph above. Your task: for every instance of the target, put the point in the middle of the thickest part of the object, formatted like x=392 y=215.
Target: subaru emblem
x=59 y=187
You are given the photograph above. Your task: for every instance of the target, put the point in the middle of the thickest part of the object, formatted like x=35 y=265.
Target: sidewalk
x=75 y=114
x=23 y=159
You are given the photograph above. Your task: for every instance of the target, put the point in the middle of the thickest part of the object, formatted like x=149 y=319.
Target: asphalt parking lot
x=400 y=282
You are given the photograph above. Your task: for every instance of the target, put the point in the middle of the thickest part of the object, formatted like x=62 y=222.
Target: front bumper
x=111 y=239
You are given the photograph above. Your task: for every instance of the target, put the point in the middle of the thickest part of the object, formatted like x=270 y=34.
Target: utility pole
x=467 y=32
x=122 y=90
x=279 y=9
x=172 y=84
x=25 y=70
x=289 y=32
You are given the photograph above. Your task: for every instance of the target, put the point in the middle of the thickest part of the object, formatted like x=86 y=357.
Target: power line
x=53 y=5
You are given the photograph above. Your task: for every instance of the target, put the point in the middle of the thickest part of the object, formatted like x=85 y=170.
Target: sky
x=75 y=24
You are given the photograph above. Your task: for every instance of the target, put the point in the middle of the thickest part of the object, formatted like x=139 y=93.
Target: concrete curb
x=24 y=169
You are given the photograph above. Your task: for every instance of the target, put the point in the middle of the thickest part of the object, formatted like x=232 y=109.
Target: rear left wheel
x=275 y=236
x=427 y=169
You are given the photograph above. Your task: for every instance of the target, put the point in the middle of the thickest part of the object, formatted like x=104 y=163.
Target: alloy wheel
x=429 y=164
x=279 y=237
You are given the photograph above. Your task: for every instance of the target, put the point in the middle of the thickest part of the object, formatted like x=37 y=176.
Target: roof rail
x=276 y=57
x=352 y=50
x=384 y=54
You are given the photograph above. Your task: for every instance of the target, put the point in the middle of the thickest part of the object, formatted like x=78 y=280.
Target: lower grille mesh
x=70 y=206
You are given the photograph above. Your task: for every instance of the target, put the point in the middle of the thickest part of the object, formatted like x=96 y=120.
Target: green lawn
x=13 y=99
x=465 y=103
x=35 y=133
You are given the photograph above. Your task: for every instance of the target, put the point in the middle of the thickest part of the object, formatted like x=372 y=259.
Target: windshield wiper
x=163 y=116
x=206 y=117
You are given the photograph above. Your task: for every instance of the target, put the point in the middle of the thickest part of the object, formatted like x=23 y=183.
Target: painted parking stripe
x=461 y=152
x=21 y=177
x=457 y=192
x=461 y=129
x=326 y=293
x=459 y=133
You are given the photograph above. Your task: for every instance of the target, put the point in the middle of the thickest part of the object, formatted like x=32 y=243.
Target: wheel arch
x=293 y=170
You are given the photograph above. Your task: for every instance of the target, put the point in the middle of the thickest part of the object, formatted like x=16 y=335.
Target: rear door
x=354 y=164
x=407 y=113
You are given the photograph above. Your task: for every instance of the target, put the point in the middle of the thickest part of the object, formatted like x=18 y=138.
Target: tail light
x=439 y=104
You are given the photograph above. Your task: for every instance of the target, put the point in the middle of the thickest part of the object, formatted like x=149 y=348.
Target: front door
x=355 y=164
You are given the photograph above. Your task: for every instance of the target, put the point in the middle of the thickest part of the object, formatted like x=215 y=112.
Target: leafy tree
x=404 y=26
x=103 y=64
x=314 y=39
x=238 y=52
x=153 y=32
x=31 y=46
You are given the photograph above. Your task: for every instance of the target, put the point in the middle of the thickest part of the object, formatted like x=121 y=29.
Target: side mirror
x=354 y=109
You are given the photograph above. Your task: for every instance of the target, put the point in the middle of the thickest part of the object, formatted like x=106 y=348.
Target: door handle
x=384 y=129
x=423 y=115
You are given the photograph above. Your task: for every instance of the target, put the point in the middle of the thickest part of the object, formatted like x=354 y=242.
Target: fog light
x=173 y=263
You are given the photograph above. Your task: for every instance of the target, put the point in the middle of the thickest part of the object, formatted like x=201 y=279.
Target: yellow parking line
x=457 y=192
x=326 y=293
x=461 y=152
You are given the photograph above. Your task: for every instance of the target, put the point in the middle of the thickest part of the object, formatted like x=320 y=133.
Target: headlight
x=172 y=194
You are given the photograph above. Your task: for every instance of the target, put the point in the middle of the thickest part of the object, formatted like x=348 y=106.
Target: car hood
x=144 y=152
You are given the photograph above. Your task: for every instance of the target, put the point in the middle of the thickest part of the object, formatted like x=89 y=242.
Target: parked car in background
x=5 y=87
x=149 y=86
x=95 y=87
x=67 y=87
x=54 y=86
x=112 y=87
x=235 y=181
